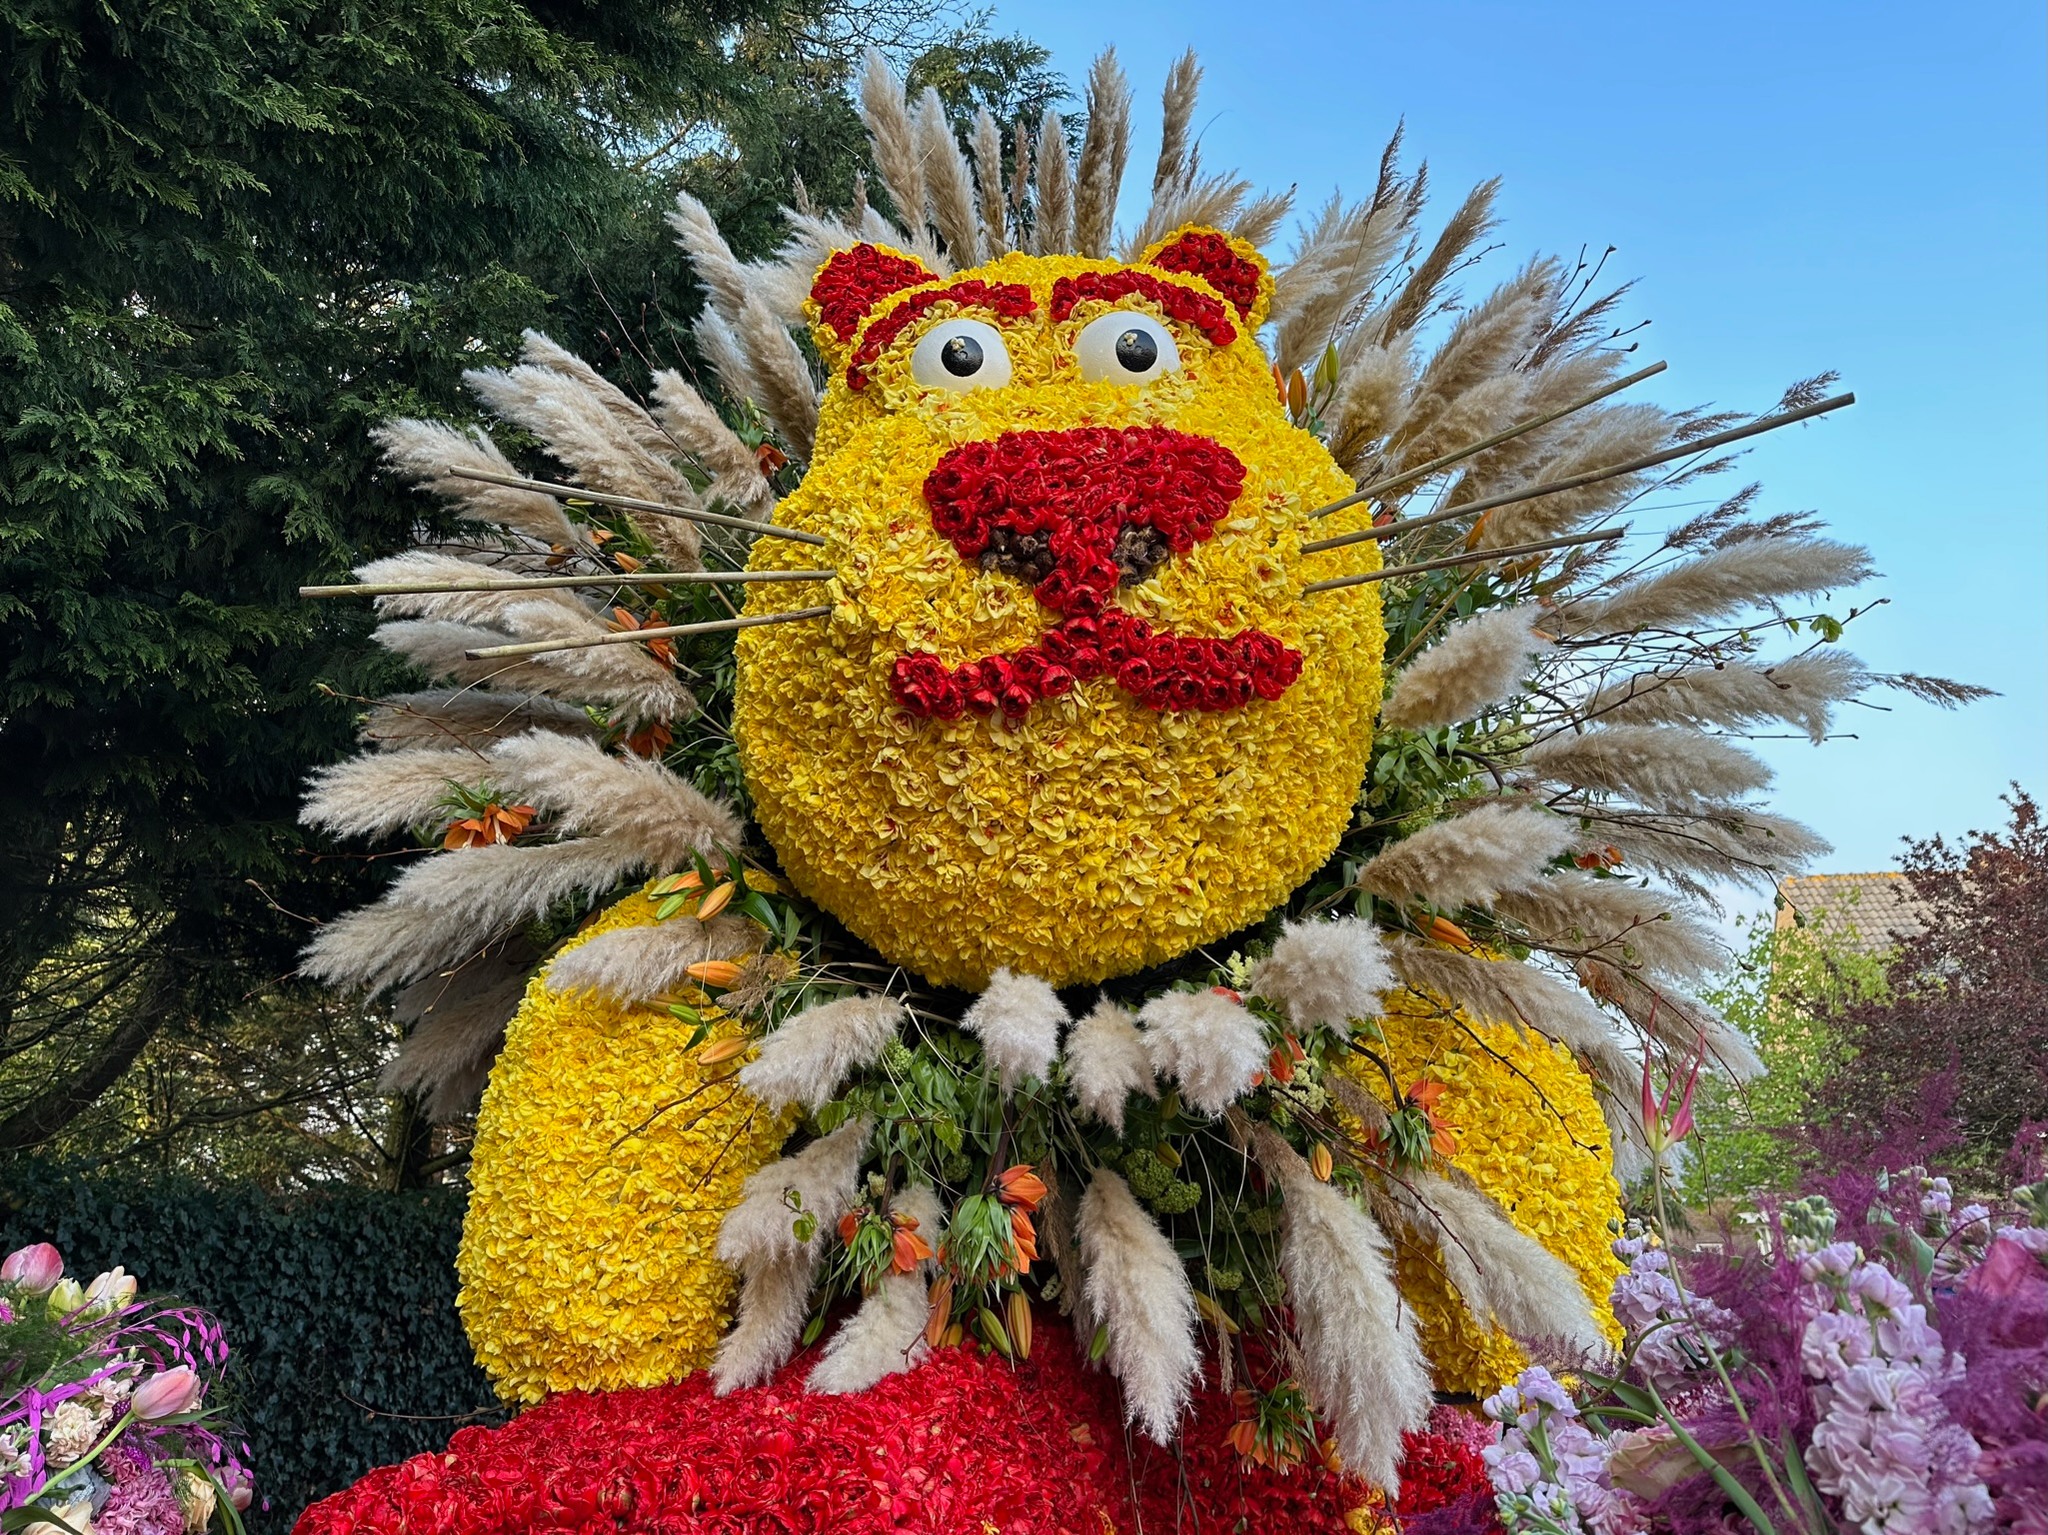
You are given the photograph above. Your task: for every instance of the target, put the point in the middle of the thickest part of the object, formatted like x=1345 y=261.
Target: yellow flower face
x=1072 y=712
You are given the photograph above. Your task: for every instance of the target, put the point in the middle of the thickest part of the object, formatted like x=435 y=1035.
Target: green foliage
x=1786 y=993
x=234 y=235
x=339 y=1306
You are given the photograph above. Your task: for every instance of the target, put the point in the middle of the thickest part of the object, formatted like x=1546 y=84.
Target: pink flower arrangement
x=1892 y=1385
x=104 y=1427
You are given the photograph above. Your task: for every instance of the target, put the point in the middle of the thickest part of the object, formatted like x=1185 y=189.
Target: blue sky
x=1795 y=188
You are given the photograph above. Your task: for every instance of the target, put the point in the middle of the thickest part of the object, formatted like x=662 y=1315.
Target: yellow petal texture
x=605 y=1159
x=1530 y=1134
x=1096 y=837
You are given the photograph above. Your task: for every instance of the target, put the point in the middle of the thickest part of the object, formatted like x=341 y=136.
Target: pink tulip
x=36 y=1269
x=167 y=1395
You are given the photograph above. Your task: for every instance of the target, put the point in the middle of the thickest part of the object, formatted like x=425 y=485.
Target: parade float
x=1060 y=895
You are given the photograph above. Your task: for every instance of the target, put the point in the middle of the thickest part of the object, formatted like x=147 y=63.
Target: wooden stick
x=628 y=636
x=1590 y=477
x=549 y=583
x=1474 y=557
x=1408 y=476
x=635 y=504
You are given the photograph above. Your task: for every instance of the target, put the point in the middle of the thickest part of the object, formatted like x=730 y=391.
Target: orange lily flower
x=1025 y=1237
x=650 y=741
x=494 y=824
x=1442 y=1138
x=849 y=1224
x=1020 y=1186
x=907 y=1248
x=663 y=651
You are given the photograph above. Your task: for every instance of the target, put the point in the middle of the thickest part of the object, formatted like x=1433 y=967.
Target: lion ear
x=1231 y=266
x=847 y=288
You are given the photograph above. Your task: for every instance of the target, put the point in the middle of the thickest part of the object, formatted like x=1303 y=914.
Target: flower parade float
x=1058 y=913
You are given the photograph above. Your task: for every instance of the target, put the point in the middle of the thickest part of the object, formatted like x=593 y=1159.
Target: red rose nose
x=1078 y=513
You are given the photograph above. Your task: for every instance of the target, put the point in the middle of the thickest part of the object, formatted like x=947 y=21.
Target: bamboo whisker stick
x=629 y=636
x=1509 y=434
x=1590 y=477
x=635 y=504
x=550 y=583
x=1474 y=557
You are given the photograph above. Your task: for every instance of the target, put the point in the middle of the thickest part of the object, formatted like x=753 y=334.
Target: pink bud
x=36 y=1269
x=167 y=1395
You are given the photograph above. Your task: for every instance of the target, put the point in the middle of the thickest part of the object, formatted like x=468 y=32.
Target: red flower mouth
x=1077 y=514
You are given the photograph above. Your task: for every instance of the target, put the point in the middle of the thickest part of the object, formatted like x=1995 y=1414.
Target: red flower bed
x=964 y=1443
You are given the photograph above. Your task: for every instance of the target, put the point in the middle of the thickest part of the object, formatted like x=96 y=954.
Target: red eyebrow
x=1008 y=300
x=1204 y=313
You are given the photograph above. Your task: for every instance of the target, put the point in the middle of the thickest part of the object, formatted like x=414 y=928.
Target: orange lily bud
x=714 y=972
x=715 y=902
x=1443 y=930
x=719 y=1051
x=1320 y=1162
x=941 y=1317
x=1017 y=1314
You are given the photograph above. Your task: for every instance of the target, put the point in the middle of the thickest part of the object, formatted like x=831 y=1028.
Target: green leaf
x=1098 y=1345
x=812 y=1329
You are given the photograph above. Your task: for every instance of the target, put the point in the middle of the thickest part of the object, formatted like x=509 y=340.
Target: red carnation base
x=964 y=1443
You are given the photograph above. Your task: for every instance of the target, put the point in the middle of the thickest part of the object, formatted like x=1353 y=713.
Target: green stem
x=87 y=1459
x=1706 y=1342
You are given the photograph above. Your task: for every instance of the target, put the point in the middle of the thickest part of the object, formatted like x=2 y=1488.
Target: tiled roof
x=1865 y=913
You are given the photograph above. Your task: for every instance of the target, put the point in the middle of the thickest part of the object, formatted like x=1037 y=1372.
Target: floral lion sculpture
x=1035 y=1036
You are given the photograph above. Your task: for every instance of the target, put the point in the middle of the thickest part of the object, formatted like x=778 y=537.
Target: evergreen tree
x=234 y=234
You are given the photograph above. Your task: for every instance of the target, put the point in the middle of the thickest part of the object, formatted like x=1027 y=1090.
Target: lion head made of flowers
x=1072 y=712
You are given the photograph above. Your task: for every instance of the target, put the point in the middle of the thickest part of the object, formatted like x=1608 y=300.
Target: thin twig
x=550 y=583
x=1590 y=477
x=635 y=504
x=1379 y=488
x=628 y=636
x=1472 y=557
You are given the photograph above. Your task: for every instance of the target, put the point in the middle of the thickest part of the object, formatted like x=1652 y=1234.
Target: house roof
x=1864 y=913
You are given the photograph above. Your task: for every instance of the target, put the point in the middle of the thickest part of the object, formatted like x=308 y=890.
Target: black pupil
x=961 y=356
x=1136 y=350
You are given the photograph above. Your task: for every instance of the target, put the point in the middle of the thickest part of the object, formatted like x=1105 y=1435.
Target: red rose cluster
x=1161 y=671
x=1074 y=494
x=1005 y=300
x=849 y=285
x=1208 y=255
x=964 y=1444
x=1078 y=513
x=1182 y=304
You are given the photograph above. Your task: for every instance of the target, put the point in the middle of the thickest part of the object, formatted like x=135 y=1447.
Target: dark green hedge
x=339 y=1306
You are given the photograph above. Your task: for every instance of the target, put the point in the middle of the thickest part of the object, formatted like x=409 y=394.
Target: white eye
x=961 y=355
x=1126 y=348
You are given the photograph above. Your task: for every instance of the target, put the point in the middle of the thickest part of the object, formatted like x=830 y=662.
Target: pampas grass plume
x=1327 y=973
x=1137 y=1289
x=1107 y=1062
x=1018 y=1021
x=805 y=1060
x=1470 y=859
x=1361 y=1362
x=1207 y=1043
x=1479 y=662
